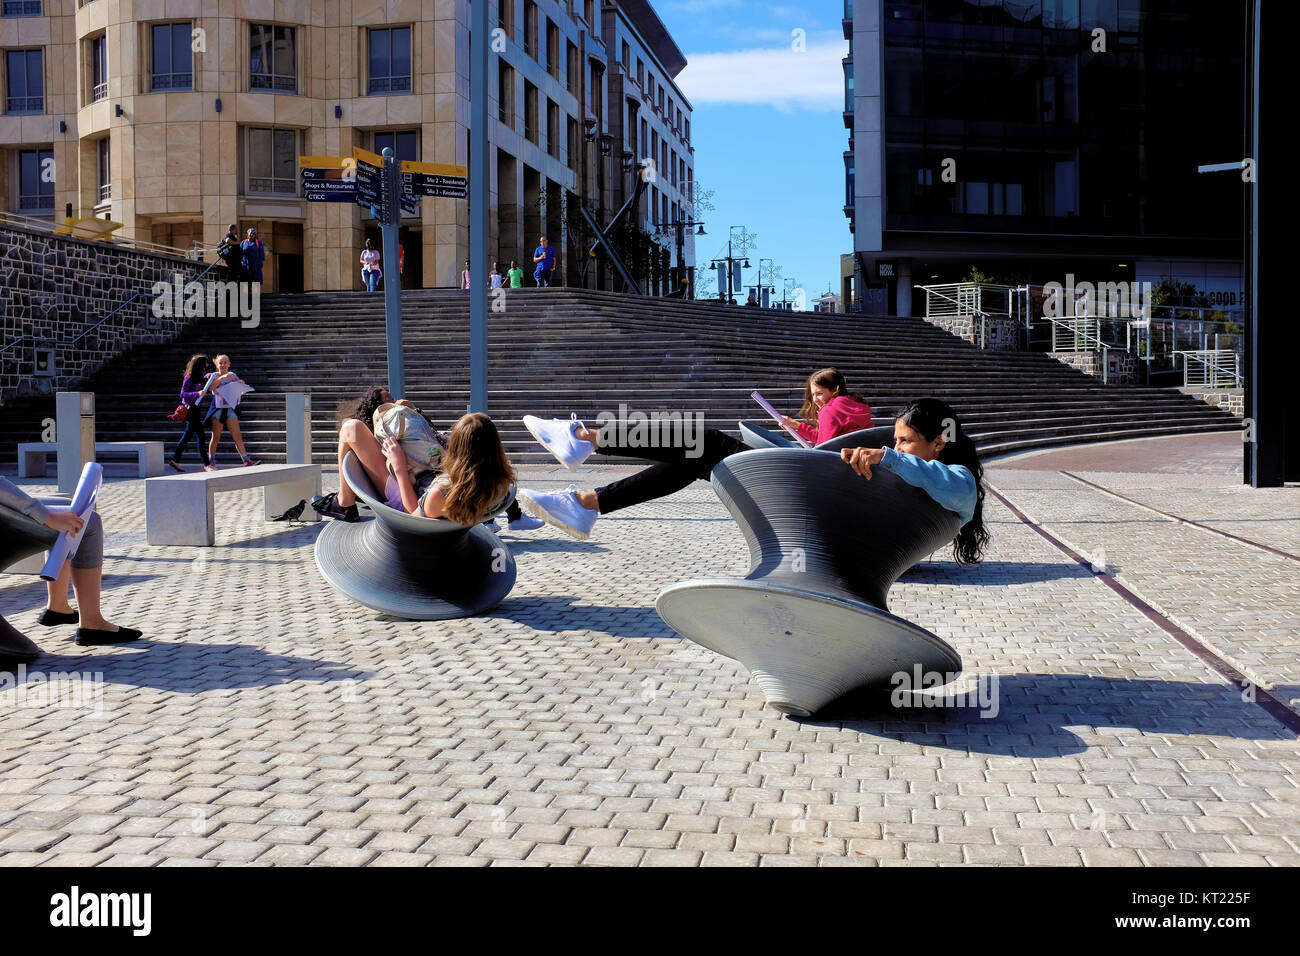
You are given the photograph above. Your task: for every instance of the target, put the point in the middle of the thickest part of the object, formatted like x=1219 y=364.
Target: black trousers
x=193 y=426
x=673 y=470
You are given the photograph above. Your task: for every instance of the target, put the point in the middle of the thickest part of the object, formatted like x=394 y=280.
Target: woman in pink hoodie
x=838 y=411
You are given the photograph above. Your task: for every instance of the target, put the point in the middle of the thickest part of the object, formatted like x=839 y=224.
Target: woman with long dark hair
x=192 y=382
x=934 y=453
x=828 y=402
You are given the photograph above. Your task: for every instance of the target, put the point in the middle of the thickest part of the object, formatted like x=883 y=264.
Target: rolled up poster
x=82 y=504
x=767 y=407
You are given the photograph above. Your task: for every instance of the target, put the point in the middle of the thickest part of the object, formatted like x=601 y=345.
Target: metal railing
x=125 y=242
x=1081 y=335
x=105 y=192
x=1211 y=368
x=957 y=300
x=133 y=297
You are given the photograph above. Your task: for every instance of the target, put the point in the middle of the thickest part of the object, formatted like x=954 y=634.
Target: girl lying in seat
x=473 y=482
x=826 y=393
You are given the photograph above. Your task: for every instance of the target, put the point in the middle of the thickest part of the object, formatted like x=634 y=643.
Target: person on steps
x=192 y=382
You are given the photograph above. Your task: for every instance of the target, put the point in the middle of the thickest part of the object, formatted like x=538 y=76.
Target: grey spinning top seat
x=810 y=620
x=20 y=537
x=422 y=569
x=758 y=435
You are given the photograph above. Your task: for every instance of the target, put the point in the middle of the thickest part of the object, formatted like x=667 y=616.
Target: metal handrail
x=47 y=225
x=133 y=297
x=1210 y=359
x=1079 y=328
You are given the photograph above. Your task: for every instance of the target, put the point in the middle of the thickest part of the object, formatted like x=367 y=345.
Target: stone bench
x=178 y=509
x=32 y=456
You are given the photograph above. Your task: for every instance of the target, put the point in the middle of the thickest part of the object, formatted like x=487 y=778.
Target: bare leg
x=57 y=591
x=355 y=437
x=239 y=439
x=216 y=440
x=86 y=585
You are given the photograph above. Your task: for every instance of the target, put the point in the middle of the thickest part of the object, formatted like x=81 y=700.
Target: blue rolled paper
x=83 y=503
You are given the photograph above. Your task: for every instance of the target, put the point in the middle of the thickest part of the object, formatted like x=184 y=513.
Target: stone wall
x=1003 y=330
x=1122 y=371
x=1232 y=400
x=52 y=289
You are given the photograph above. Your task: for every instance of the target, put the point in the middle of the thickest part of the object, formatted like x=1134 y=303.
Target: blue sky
x=767 y=128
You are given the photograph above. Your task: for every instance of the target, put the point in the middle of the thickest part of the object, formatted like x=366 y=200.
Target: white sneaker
x=526 y=523
x=560 y=509
x=556 y=436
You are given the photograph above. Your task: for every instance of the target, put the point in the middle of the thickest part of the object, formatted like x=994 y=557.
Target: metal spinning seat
x=810 y=620
x=422 y=569
x=758 y=435
x=20 y=537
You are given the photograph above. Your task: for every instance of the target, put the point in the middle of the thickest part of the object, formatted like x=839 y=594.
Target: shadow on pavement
x=993 y=573
x=552 y=614
x=1036 y=715
x=32 y=590
x=185 y=668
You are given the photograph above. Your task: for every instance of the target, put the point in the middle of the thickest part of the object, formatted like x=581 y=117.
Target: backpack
x=422 y=443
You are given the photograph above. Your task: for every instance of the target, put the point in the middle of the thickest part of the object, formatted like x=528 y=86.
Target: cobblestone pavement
x=266 y=719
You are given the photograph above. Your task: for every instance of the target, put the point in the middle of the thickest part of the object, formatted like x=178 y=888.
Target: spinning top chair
x=758 y=435
x=20 y=537
x=810 y=620
x=422 y=569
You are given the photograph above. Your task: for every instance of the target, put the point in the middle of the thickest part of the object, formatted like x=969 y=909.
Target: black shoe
x=54 y=618
x=87 y=637
x=327 y=506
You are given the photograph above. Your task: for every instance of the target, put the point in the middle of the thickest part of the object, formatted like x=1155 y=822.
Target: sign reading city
x=435 y=179
x=327 y=179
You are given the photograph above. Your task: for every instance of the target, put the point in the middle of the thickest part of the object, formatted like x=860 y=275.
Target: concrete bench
x=178 y=509
x=32 y=456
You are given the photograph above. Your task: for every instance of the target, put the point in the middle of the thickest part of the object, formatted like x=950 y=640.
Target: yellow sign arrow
x=434 y=169
x=324 y=162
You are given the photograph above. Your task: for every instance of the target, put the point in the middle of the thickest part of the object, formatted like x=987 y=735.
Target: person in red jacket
x=838 y=411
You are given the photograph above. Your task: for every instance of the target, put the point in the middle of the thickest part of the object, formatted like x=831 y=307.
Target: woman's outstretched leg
x=354 y=437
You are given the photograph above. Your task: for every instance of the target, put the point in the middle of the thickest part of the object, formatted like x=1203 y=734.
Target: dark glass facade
x=1043 y=130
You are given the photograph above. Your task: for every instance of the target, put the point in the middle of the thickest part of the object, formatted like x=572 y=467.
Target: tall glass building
x=1043 y=138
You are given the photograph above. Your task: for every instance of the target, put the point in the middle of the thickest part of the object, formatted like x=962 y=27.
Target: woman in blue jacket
x=934 y=453
x=254 y=256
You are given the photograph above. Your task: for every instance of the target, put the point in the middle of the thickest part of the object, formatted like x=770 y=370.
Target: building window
x=36 y=180
x=390 y=61
x=589 y=13
x=553 y=128
x=553 y=50
x=173 y=57
x=22 y=8
x=272 y=58
x=640 y=73
x=574 y=143
x=26 y=81
x=530 y=112
x=98 y=68
x=505 y=93
x=571 y=61
x=405 y=144
x=687 y=124
x=625 y=56
x=673 y=168
x=506 y=17
x=105 y=182
x=530 y=28
x=598 y=96
x=272 y=161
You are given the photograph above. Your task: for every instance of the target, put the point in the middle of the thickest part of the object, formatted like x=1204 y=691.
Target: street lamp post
x=679 y=226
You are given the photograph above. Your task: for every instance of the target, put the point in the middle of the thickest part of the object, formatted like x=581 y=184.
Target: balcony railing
x=172 y=81
x=98 y=92
x=105 y=192
x=21 y=8
x=389 y=84
x=36 y=203
x=276 y=82
x=25 y=104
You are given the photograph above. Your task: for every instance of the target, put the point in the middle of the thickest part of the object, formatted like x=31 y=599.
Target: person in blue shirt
x=933 y=453
x=544 y=257
x=254 y=256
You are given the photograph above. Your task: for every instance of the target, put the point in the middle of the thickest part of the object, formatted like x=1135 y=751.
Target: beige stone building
x=180 y=117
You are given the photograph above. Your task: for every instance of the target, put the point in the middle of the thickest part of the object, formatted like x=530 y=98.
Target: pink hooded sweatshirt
x=839 y=416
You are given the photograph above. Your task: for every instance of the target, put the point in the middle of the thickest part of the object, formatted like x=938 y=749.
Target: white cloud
x=781 y=77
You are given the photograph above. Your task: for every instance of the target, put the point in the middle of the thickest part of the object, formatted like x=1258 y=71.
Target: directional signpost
x=390 y=190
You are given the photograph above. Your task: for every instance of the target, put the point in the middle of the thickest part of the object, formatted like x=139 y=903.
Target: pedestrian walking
x=544 y=257
x=229 y=251
x=515 y=275
x=370 y=271
x=464 y=277
x=494 y=278
x=227 y=389
x=192 y=381
x=254 y=256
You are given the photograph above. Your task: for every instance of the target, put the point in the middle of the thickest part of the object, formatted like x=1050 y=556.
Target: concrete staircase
x=555 y=351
